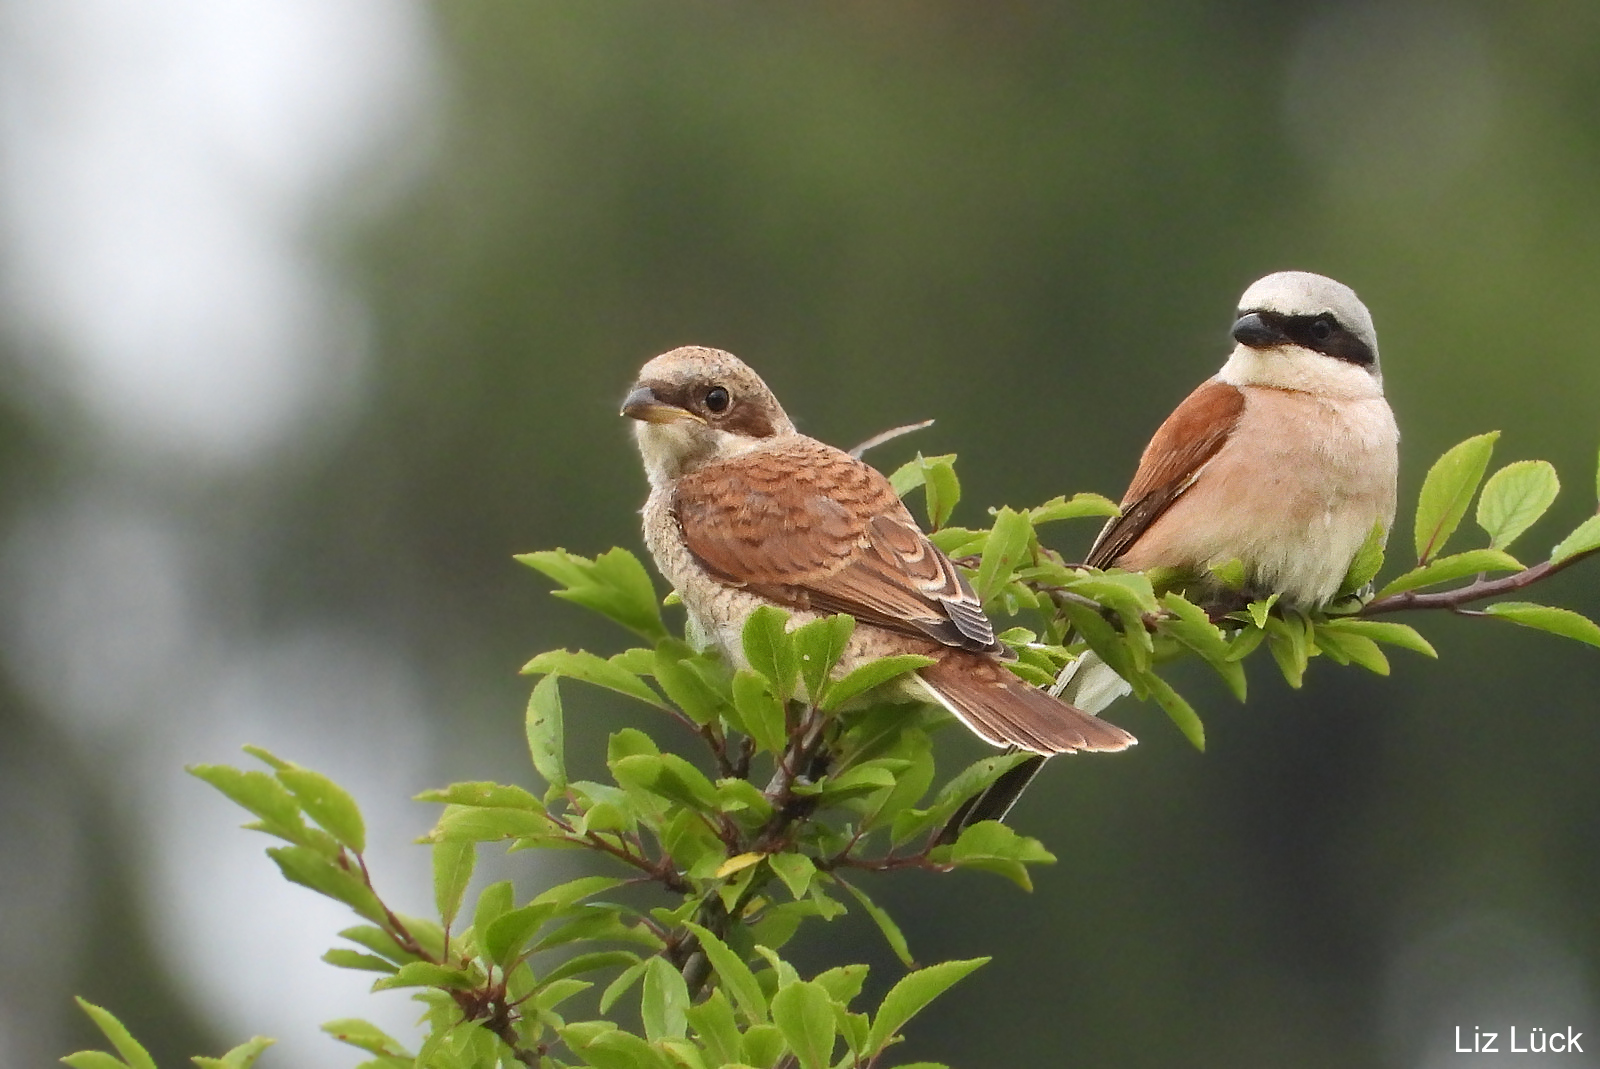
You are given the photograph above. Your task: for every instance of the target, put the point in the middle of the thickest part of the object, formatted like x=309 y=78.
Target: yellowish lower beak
x=642 y=404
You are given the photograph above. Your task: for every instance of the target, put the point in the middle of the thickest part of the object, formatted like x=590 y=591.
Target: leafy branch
x=802 y=776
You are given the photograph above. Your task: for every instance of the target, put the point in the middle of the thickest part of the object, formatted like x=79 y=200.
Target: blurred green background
x=1028 y=221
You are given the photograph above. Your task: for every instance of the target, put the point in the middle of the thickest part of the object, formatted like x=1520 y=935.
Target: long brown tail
x=1005 y=711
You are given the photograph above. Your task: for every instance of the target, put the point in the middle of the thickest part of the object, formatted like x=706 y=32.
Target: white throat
x=670 y=450
x=1290 y=367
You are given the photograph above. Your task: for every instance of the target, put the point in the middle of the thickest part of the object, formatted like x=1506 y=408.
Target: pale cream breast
x=1293 y=494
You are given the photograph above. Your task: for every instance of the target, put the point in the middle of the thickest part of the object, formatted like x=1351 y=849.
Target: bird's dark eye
x=716 y=399
x=1321 y=329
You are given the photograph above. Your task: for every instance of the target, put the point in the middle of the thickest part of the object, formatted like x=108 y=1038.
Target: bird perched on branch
x=1285 y=461
x=745 y=511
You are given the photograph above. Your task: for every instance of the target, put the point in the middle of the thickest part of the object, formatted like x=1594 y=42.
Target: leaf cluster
x=788 y=777
x=1141 y=623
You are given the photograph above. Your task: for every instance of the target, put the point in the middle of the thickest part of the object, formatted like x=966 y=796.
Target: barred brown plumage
x=746 y=511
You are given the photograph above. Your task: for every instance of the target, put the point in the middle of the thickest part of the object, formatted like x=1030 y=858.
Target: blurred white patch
x=162 y=170
x=247 y=943
x=1483 y=971
x=100 y=620
x=1386 y=98
x=172 y=174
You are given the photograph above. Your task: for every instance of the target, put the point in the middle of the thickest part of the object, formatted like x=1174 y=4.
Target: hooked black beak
x=1259 y=330
x=643 y=405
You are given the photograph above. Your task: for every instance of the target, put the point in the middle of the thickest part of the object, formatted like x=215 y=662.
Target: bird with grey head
x=1285 y=461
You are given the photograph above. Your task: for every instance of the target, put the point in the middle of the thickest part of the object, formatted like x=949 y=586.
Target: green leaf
x=427 y=974
x=1129 y=594
x=325 y=802
x=760 y=710
x=310 y=869
x=614 y=584
x=379 y=942
x=872 y=674
x=913 y=473
x=743 y=797
x=453 y=864
x=1289 y=641
x=1402 y=635
x=241 y=1057
x=795 y=870
x=1245 y=642
x=713 y=1022
x=1347 y=648
x=819 y=645
x=1261 y=610
x=910 y=783
x=664 y=1002
x=1061 y=508
x=607 y=808
x=494 y=901
x=994 y=847
x=687 y=689
x=803 y=1012
x=629 y=742
x=1126 y=655
x=1584 y=540
x=132 y=1052
x=937 y=477
x=475 y=824
x=1455 y=566
x=1008 y=548
x=842 y=982
x=770 y=650
x=1178 y=710
x=762 y=1045
x=959 y=542
x=1514 y=498
x=258 y=792
x=619 y=987
x=586 y=666
x=616 y=1049
x=553 y=993
x=1230 y=573
x=1448 y=490
x=482 y=794
x=941 y=490
x=267 y=757
x=93 y=1059
x=669 y=776
x=891 y=931
x=733 y=974
x=1190 y=625
x=912 y=994
x=341 y=958
x=966 y=784
x=503 y=940
x=566 y=894
x=545 y=734
x=366 y=1036
x=1563 y=622
x=1368 y=561
x=861 y=779
x=599 y=959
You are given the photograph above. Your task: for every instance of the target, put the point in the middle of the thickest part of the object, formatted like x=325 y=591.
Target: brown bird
x=745 y=511
x=1285 y=460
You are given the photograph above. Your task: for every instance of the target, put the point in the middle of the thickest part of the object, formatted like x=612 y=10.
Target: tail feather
x=1090 y=684
x=1005 y=711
